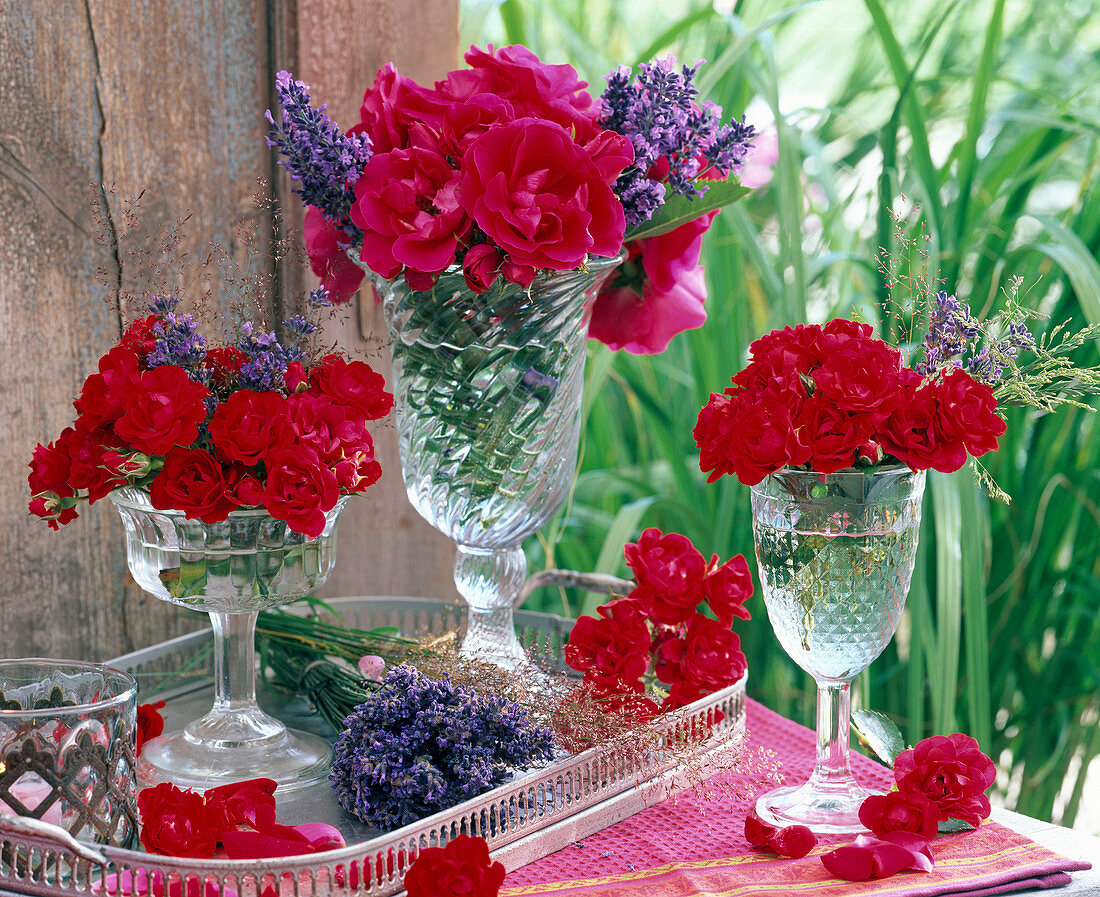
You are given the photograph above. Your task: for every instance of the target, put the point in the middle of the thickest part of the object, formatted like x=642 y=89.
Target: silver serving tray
x=534 y=815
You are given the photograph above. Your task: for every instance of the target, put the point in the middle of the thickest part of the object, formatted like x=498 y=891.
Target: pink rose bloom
x=534 y=88
x=407 y=206
x=464 y=122
x=397 y=112
x=539 y=196
x=328 y=258
x=643 y=312
x=481 y=267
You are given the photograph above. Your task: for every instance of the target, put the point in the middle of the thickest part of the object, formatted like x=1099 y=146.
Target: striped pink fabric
x=687 y=846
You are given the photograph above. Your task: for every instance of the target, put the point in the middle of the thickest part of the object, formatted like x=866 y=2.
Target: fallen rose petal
x=372 y=667
x=793 y=841
x=869 y=857
x=259 y=845
x=758 y=832
x=321 y=835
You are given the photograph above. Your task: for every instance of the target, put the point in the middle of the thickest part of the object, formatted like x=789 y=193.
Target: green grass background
x=985 y=113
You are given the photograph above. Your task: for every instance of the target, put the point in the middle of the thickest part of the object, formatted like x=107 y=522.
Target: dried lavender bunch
x=658 y=112
x=419 y=745
x=323 y=160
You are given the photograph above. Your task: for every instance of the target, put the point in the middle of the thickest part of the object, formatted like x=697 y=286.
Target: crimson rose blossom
x=914 y=433
x=708 y=657
x=969 y=412
x=900 y=811
x=175 y=823
x=150 y=723
x=461 y=869
x=728 y=587
x=247 y=424
x=192 y=481
x=163 y=409
x=612 y=650
x=950 y=771
x=102 y=395
x=352 y=383
x=669 y=571
x=539 y=196
x=328 y=258
x=299 y=489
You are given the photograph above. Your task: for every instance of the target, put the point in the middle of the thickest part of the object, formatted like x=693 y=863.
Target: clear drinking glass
x=488 y=401
x=231 y=570
x=836 y=554
x=67 y=747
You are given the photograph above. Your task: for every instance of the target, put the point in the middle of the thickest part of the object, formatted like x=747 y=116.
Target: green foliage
x=987 y=115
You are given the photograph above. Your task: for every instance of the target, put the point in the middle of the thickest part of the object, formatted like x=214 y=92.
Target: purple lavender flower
x=177 y=338
x=658 y=112
x=951 y=330
x=319 y=298
x=420 y=745
x=321 y=159
x=299 y=326
x=267 y=359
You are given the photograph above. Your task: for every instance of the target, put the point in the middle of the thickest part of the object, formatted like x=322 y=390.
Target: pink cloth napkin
x=685 y=846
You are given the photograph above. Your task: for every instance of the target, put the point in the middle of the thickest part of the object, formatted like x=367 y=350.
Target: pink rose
x=406 y=204
x=481 y=266
x=539 y=196
x=464 y=122
x=644 y=308
x=394 y=107
x=326 y=247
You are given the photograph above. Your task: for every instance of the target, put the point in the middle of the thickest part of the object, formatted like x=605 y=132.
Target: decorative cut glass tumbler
x=67 y=747
x=488 y=403
x=836 y=554
x=231 y=570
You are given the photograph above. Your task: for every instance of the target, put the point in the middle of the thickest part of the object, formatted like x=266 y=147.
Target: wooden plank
x=385 y=546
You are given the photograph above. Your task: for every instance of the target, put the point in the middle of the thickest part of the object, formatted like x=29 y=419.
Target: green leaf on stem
x=679 y=210
x=878 y=733
x=951 y=826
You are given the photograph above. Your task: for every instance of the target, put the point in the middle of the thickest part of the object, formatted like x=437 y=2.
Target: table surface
x=1065 y=841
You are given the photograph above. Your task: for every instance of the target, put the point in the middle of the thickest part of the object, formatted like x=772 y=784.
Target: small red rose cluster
x=659 y=625
x=832 y=397
x=204 y=445
x=461 y=869
x=942 y=778
x=238 y=817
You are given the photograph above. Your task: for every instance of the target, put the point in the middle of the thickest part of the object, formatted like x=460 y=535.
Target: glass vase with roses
x=506 y=214
x=229 y=466
x=833 y=432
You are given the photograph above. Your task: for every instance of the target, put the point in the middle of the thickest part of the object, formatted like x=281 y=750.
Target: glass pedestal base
x=292 y=758
x=829 y=809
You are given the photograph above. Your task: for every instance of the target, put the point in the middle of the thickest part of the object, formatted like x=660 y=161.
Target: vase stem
x=490 y=580
x=833 y=722
x=234 y=661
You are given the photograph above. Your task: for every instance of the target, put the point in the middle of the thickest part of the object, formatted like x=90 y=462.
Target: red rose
x=539 y=196
x=795 y=348
x=461 y=869
x=296 y=377
x=192 y=481
x=862 y=376
x=224 y=364
x=139 y=337
x=358 y=470
x=247 y=424
x=834 y=436
x=242 y=487
x=612 y=650
x=669 y=571
x=175 y=823
x=149 y=722
x=747 y=435
x=241 y=803
x=481 y=266
x=328 y=258
x=642 y=315
x=406 y=204
x=706 y=659
x=900 y=811
x=728 y=587
x=950 y=771
x=90 y=467
x=330 y=429
x=300 y=489
x=50 y=465
x=164 y=409
x=352 y=383
x=101 y=398
x=914 y=432
x=969 y=411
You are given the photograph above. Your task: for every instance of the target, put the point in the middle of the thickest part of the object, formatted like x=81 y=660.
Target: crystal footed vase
x=231 y=570
x=836 y=554
x=488 y=401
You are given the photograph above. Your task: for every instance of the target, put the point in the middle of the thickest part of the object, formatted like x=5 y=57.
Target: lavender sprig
x=177 y=337
x=658 y=112
x=951 y=330
x=321 y=159
x=267 y=359
x=420 y=745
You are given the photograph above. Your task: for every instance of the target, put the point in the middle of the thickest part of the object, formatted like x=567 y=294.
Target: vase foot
x=292 y=758
x=826 y=809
